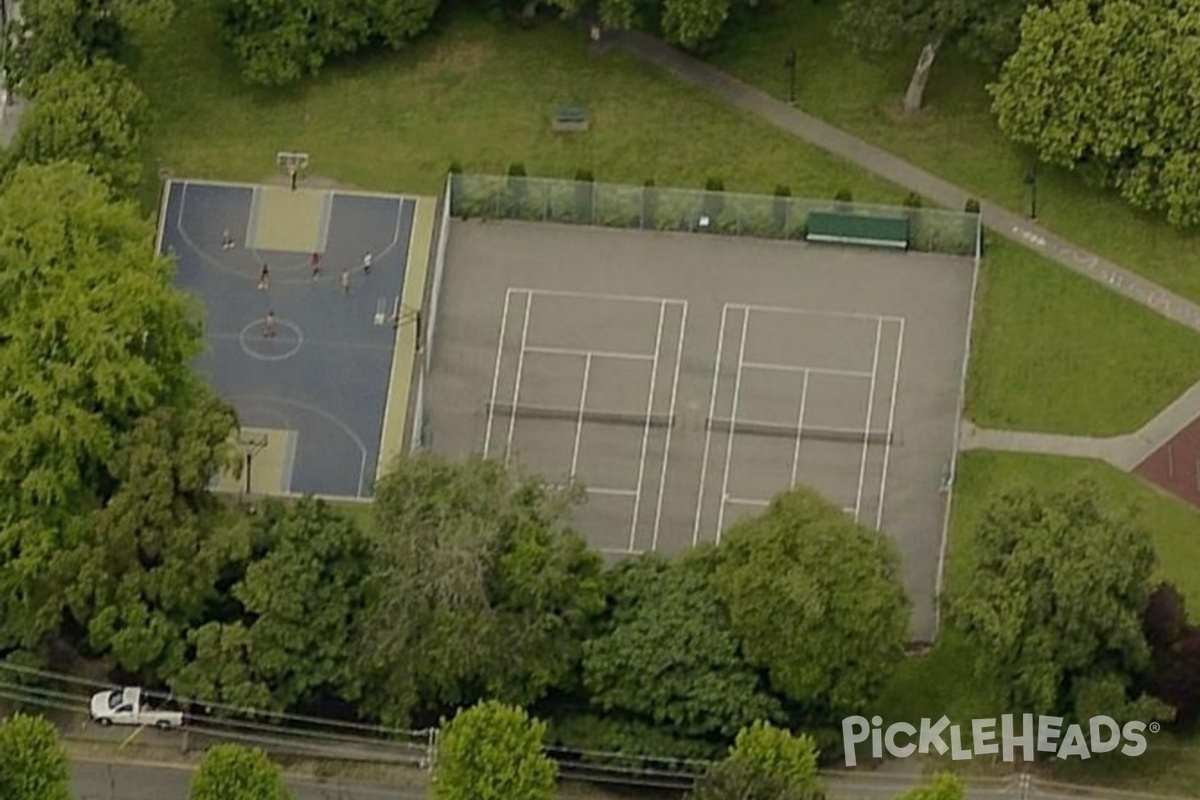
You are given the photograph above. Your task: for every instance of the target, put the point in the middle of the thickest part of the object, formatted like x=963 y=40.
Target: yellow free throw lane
x=272 y=452
x=289 y=221
x=395 y=413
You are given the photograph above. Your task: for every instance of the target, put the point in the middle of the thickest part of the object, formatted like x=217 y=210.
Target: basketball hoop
x=291 y=163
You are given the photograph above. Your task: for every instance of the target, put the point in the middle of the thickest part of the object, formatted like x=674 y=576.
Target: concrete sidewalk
x=1124 y=452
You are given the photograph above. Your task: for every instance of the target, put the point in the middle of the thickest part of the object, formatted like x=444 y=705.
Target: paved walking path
x=1124 y=452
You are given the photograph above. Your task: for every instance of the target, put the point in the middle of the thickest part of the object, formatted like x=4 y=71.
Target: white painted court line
x=599 y=296
x=567 y=351
x=662 y=477
x=737 y=390
x=487 y=436
x=799 y=429
x=862 y=467
x=326 y=215
x=887 y=449
x=587 y=375
x=746 y=501
x=712 y=408
x=637 y=502
x=512 y=418
x=812 y=312
x=252 y=222
x=396 y=235
x=610 y=492
x=848 y=373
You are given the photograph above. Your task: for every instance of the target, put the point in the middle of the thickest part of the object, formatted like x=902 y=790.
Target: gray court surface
x=684 y=379
x=324 y=374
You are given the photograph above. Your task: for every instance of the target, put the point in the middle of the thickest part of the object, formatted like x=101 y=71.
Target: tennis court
x=317 y=366
x=685 y=379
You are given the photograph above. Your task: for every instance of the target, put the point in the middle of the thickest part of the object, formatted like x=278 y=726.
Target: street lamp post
x=1031 y=182
x=790 y=63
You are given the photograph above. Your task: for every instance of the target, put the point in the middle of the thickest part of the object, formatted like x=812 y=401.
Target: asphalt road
x=92 y=780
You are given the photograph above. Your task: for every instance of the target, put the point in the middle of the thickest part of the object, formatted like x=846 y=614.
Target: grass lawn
x=954 y=138
x=474 y=91
x=944 y=681
x=1053 y=351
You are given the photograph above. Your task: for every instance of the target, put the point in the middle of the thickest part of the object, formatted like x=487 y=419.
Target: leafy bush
x=516 y=170
x=782 y=191
x=972 y=206
x=913 y=200
x=584 y=175
x=456 y=168
x=844 y=196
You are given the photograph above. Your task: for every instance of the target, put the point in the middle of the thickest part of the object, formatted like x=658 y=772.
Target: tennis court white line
x=814 y=312
x=862 y=467
x=737 y=390
x=610 y=492
x=799 y=429
x=487 y=436
x=887 y=449
x=637 y=501
x=587 y=375
x=567 y=351
x=326 y=217
x=745 y=501
x=599 y=296
x=512 y=419
x=712 y=408
x=662 y=478
x=848 y=373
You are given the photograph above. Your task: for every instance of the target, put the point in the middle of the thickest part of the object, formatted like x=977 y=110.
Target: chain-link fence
x=667 y=209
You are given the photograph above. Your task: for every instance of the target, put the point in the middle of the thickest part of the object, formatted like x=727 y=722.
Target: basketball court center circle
x=244 y=339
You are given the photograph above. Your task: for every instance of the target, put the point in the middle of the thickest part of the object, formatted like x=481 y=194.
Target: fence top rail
x=831 y=204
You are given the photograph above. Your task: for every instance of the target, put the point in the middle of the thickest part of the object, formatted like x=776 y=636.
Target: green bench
x=846 y=228
x=571 y=118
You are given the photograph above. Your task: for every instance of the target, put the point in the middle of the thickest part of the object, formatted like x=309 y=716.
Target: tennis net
x=756 y=428
x=575 y=414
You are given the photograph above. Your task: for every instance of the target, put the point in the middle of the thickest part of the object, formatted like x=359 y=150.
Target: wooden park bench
x=571 y=119
x=849 y=228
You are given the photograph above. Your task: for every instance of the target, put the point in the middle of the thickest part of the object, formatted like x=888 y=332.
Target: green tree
x=33 y=763
x=476 y=587
x=942 y=786
x=493 y=752
x=93 y=338
x=1105 y=88
x=148 y=565
x=300 y=602
x=55 y=33
x=988 y=31
x=765 y=763
x=93 y=115
x=281 y=41
x=670 y=657
x=1054 y=595
x=816 y=600
x=233 y=772
x=776 y=754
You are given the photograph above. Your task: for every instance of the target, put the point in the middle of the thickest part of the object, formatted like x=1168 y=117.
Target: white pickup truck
x=126 y=707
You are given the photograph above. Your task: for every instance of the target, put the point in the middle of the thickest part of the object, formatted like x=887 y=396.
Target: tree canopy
x=816 y=600
x=293 y=635
x=670 y=656
x=233 y=772
x=1106 y=89
x=95 y=345
x=493 y=752
x=476 y=587
x=765 y=763
x=942 y=786
x=1055 y=595
x=280 y=41
x=1174 y=642
x=93 y=115
x=33 y=763
x=988 y=31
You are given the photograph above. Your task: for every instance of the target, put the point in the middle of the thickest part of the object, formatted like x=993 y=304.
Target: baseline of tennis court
x=685 y=379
